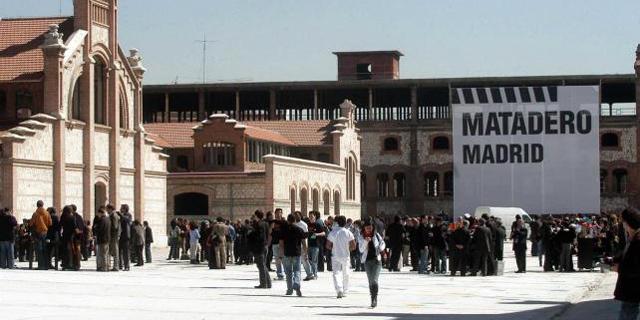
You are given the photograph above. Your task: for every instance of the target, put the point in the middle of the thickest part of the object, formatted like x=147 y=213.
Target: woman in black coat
x=628 y=267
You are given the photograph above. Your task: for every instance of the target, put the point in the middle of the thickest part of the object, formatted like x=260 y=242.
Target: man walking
x=219 y=233
x=395 y=231
x=258 y=241
x=102 y=234
x=115 y=236
x=305 y=248
x=291 y=243
x=341 y=242
x=481 y=247
x=276 y=225
x=148 y=240
x=40 y=224
x=519 y=236
x=125 y=238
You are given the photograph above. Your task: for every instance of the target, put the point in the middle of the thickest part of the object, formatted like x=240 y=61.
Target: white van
x=506 y=214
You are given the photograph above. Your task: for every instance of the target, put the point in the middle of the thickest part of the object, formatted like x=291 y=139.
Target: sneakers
x=298 y=293
x=308 y=278
x=340 y=295
x=289 y=292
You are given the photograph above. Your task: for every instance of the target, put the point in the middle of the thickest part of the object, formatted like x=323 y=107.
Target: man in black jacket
x=126 y=220
x=102 y=233
x=628 y=267
x=439 y=246
x=481 y=247
x=395 y=232
x=79 y=238
x=519 y=237
x=8 y=225
x=460 y=247
x=258 y=241
x=148 y=240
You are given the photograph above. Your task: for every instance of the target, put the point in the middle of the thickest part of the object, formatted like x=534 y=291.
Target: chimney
x=368 y=65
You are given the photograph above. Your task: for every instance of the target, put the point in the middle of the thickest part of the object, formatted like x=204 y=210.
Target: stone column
x=87 y=114
x=316 y=115
x=370 y=106
x=238 y=117
x=113 y=105
x=167 y=116
x=135 y=61
x=414 y=104
x=272 y=105
x=201 y=106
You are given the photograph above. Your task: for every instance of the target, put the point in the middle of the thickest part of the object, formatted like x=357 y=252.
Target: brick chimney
x=368 y=65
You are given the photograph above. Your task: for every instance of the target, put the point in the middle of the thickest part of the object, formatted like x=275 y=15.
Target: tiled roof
x=20 y=56
x=300 y=133
x=172 y=135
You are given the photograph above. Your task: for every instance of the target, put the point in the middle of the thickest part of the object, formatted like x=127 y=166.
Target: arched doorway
x=100 y=195
x=304 y=198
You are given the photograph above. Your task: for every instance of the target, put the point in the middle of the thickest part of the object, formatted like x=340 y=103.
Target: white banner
x=536 y=148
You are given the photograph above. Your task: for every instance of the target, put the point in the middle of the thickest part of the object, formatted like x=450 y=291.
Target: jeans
x=41 y=251
x=373 y=267
x=124 y=255
x=292 y=272
x=439 y=261
x=628 y=311
x=147 y=253
x=313 y=254
x=261 y=263
x=535 y=249
x=424 y=260
x=6 y=255
x=306 y=265
x=340 y=268
x=276 y=254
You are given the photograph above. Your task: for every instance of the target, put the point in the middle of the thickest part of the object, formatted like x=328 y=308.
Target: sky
x=293 y=40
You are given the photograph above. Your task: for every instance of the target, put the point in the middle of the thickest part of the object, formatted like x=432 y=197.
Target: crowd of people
x=64 y=240
x=466 y=246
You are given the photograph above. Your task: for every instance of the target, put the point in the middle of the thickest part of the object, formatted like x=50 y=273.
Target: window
x=363 y=71
x=326 y=200
x=24 y=104
x=399 y=185
x=350 y=166
x=448 y=183
x=431 y=184
x=74 y=113
x=182 y=162
x=191 y=204
x=219 y=154
x=620 y=176
x=440 y=143
x=511 y=94
x=123 y=112
x=391 y=144
x=336 y=202
x=609 y=140
x=315 y=198
x=525 y=96
x=468 y=96
x=603 y=181
x=304 y=199
x=383 y=185
x=482 y=95
x=495 y=95
x=292 y=198
x=99 y=95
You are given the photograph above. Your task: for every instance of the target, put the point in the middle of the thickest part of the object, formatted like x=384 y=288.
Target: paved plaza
x=178 y=290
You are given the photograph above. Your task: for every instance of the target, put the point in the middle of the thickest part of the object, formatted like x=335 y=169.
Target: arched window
x=391 y=144
x=431 y=184
x=440 y=143
x=24 y=104
x=620 y=176
x=399 y=185
x=304 y=198
x=350 y=165
x=326 y=201
x=124 y=116
x=448 y=183
x=336 y=202
x=292 y=198
x=182 y=162
x=603 y=180
x=383 y=185
x=219 y=154
x=99 y=92
x=191 y=204
x=315 y=197
x=363 y=185
x=609 y=140
x=74 y=112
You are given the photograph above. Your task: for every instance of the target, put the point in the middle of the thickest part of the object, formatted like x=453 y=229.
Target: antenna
x=204 y=42
x=60 y=8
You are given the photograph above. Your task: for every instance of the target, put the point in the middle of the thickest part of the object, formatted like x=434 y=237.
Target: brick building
x=405 y=124
x=71 y=115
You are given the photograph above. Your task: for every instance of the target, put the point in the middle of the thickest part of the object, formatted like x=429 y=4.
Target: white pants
x=340 y=274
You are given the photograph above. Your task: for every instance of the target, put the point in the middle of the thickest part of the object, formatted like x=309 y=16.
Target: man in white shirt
x=305 y=251
x=341 y=242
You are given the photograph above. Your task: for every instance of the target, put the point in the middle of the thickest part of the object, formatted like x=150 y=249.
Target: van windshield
x=526 y=218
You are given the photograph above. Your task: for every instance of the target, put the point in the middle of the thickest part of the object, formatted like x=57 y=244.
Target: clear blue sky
x=290 y=40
